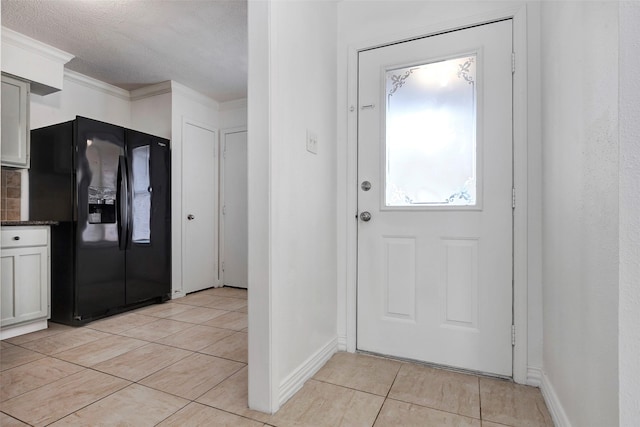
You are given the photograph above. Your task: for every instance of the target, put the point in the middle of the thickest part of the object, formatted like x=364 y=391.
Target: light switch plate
x=312 y=142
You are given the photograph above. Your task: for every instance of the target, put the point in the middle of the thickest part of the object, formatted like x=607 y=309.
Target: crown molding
x=151 y=90
x=96 y=84
x=194 y=96
x=236 y=104
x=34 y=46
x=168 y=86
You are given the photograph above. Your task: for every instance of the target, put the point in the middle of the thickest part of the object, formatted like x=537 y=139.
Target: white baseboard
x=534 y=376
x=15 y=331
x=177 y=294
x=556 y=410
x=294 y=382
x=342 y=343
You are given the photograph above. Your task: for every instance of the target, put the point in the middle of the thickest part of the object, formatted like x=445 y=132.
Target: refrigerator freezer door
x=149 y=244
x=51 y=177
x=100 y=264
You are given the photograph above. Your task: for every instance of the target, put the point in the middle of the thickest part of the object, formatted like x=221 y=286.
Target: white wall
x=263 y=389
x=368 y=23
x=233 y=114
x=580 y=209
x=303 y=184
x=81 y=96
x=629 y=293
x=300 y=210
x=152 y=114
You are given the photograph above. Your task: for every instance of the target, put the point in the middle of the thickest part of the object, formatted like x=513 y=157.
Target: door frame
x=520 y=170
x=216 y=185
x=221 y=223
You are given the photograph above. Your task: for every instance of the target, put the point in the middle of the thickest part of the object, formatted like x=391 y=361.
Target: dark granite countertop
x=12 y=223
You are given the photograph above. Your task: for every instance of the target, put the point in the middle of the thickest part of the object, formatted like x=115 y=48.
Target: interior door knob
x=365 y=216
x=190 y=217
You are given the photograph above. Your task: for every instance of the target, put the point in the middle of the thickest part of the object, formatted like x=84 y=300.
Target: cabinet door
x=15 y=122
x=24 y=285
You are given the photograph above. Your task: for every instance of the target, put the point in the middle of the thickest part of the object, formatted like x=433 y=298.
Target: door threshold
x=437 y=366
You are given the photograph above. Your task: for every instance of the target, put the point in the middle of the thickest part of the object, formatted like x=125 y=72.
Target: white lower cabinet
x=24 y=267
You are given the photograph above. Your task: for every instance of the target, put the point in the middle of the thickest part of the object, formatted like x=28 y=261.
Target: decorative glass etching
x=431 y=134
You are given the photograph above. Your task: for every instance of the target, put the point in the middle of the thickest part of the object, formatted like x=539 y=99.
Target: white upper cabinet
x=15 y=122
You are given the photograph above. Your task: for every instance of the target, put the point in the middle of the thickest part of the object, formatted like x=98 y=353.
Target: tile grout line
x=92 y=368
x=114 y=334
x=388 y=392
x=130 y=382
x=227 y=411
x=16 y=418
x=88 y=404
x=479 y=401
x=397 y=399
x=348 y=388
x=173 y=413
x=138 y=382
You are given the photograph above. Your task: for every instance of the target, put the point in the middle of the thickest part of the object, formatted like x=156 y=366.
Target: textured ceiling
x=133 y=43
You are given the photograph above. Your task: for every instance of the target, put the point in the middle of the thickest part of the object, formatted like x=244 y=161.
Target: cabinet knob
x=16 y=237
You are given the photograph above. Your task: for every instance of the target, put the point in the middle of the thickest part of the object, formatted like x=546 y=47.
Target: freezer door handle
x=123 y=202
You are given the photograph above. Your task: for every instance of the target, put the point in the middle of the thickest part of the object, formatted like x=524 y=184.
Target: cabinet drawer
x=13 y=237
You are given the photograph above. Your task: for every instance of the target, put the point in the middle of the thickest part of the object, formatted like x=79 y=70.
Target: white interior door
x=435 y=212
x=199 y=207
x=234 y=219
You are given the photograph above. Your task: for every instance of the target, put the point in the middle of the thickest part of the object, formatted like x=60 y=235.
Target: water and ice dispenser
x=102 y=205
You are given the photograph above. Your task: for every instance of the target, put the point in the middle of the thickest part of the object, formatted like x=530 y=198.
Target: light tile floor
x=184 y=363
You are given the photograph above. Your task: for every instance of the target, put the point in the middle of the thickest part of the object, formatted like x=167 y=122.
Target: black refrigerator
x=109 y=189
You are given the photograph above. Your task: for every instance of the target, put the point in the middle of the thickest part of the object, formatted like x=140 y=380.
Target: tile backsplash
x=11 y=182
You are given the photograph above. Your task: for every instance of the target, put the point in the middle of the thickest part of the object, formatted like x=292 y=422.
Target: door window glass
x=430 y=154
x=141 y=195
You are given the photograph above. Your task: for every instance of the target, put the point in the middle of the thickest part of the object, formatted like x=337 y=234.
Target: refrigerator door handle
x=123 y=204
x=129 y=197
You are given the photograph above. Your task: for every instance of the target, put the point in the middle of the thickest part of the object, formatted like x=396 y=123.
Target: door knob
x=190 y=217
x=365 y=216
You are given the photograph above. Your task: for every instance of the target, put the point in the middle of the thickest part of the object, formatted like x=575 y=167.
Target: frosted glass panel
x=431 y=134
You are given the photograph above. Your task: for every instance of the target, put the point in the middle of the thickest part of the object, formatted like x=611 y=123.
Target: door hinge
x=513 y=198
x=224 y=210
x=222 y=265
x=513 y=334
x=513 y=62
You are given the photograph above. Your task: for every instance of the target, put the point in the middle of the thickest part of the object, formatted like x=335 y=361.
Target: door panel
x=435 y=144
x=200 y=207
x=235 y=233
x=149 y=244
x=100 y=264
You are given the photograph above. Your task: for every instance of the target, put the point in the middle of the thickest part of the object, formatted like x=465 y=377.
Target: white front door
x=235 y=223
x=435 y=199
x=199 y=207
